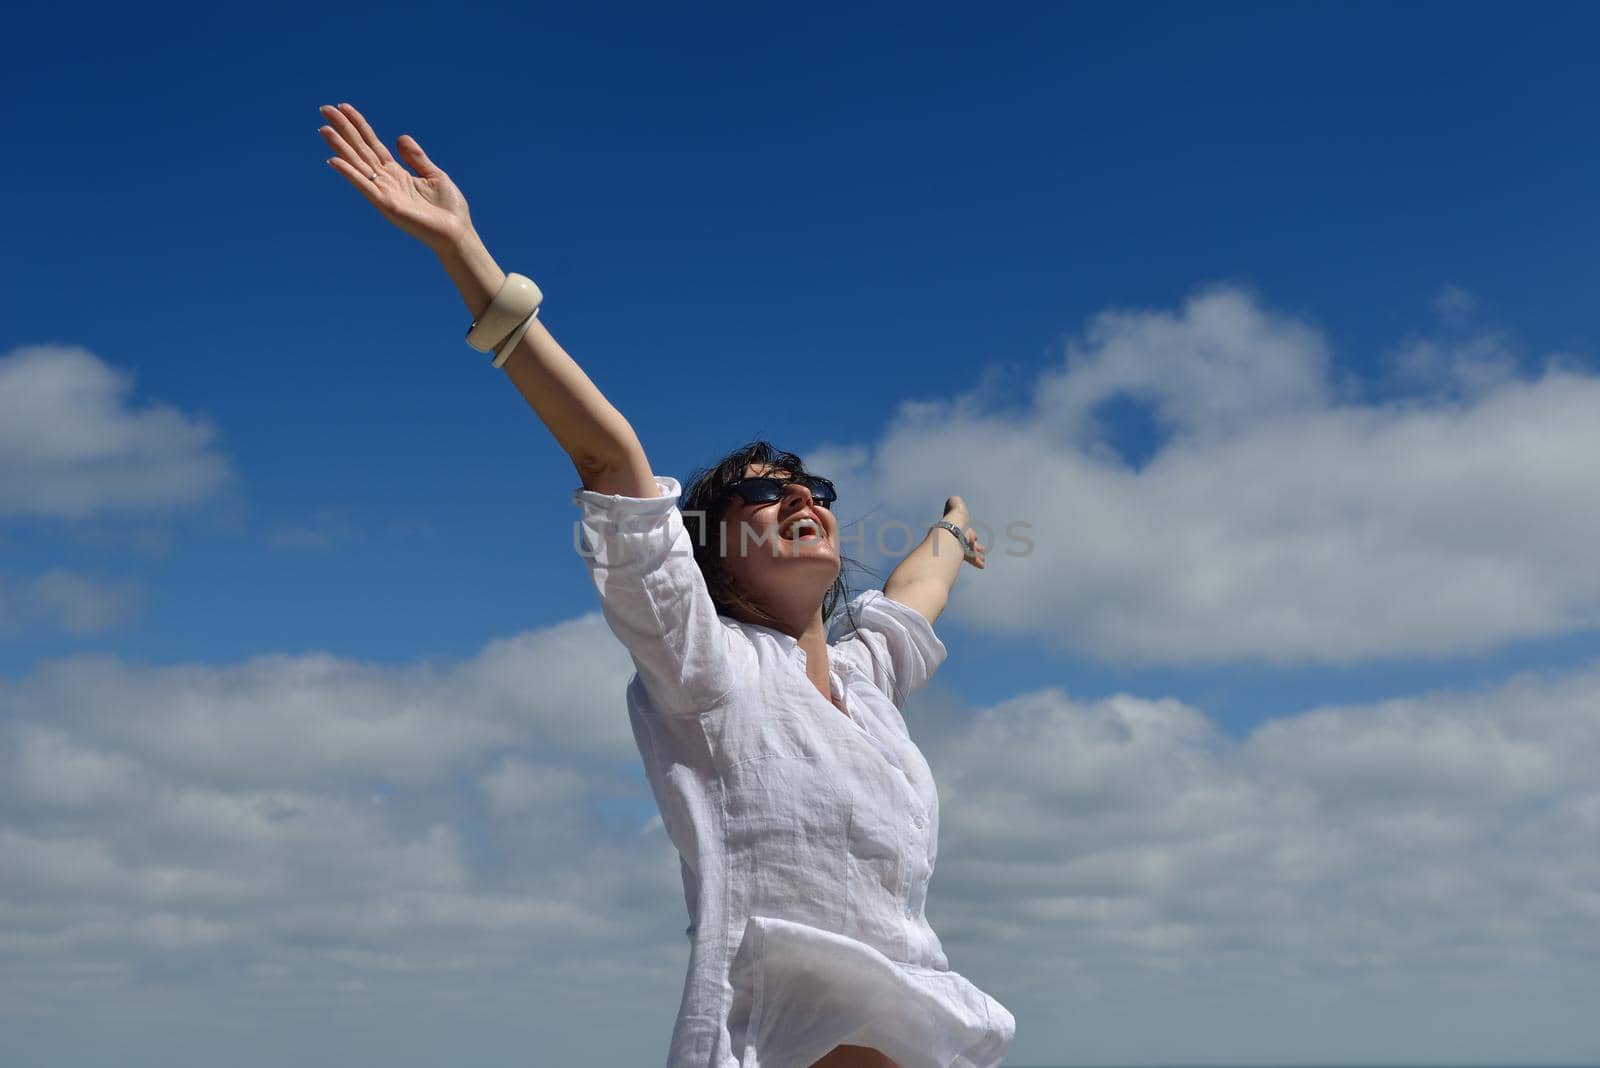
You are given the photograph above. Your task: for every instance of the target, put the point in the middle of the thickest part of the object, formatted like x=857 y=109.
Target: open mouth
x=804 y=530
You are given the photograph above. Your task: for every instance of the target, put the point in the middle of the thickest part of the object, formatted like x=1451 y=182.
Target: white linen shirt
x=806 y=837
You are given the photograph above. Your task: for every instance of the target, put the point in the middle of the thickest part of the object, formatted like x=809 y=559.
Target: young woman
x=766 y=703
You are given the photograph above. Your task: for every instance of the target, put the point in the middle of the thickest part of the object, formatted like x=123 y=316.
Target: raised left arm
x=923 y=579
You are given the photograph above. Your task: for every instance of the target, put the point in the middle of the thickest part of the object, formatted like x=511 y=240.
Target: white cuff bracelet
x=507 y=317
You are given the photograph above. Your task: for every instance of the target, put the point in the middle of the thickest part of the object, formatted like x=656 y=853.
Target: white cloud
x=1433 y=852
x=309 y=718
x=1282 y=519
x=178 y=830
x=1460 y=360
x=1217 y=364
x=65 y=600
x=294 y=828
x=72 y=446
x=305 y=846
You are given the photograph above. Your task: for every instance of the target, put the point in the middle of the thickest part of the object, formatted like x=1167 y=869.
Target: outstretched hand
x=427 y=205
x=955 y=511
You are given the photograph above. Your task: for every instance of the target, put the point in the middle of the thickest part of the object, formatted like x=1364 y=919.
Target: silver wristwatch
x=966 y=545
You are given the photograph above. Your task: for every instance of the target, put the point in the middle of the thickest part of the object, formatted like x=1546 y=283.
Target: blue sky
x=1274 y=321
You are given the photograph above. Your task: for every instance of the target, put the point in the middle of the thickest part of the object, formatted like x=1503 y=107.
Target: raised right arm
x=634 y=541
x=428 y=206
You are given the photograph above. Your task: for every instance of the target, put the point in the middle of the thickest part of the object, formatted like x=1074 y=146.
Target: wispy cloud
x=64 y=600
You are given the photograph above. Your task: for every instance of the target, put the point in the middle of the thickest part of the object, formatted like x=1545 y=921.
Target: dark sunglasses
x=767 y=490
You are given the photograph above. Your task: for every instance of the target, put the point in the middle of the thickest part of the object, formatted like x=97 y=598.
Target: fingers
x=348 y=142
x=955 y=511
x=416 y=157
x=371 y=139
x=975 y=556
x=347 y=154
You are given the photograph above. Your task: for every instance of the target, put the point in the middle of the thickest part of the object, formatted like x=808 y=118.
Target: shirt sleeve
x=905 y=650
x=654 y=597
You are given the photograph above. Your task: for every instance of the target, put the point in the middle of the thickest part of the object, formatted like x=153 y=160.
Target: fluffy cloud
x=1390 y=880
x=1282 y=517
x=305 y=830
x=405 y=862
x=287 y=826
x=72 y=446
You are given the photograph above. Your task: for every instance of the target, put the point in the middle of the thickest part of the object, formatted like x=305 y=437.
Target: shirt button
x=916 y=821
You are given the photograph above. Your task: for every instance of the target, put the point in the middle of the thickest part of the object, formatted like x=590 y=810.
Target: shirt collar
x=791 y=645
x=787 y=641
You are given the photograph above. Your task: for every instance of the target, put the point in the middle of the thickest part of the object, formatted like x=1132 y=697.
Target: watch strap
x=966 y=545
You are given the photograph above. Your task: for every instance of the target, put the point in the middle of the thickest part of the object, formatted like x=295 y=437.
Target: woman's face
x=766 y=561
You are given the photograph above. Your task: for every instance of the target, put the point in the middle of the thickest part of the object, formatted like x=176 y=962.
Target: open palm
x=427 y=205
